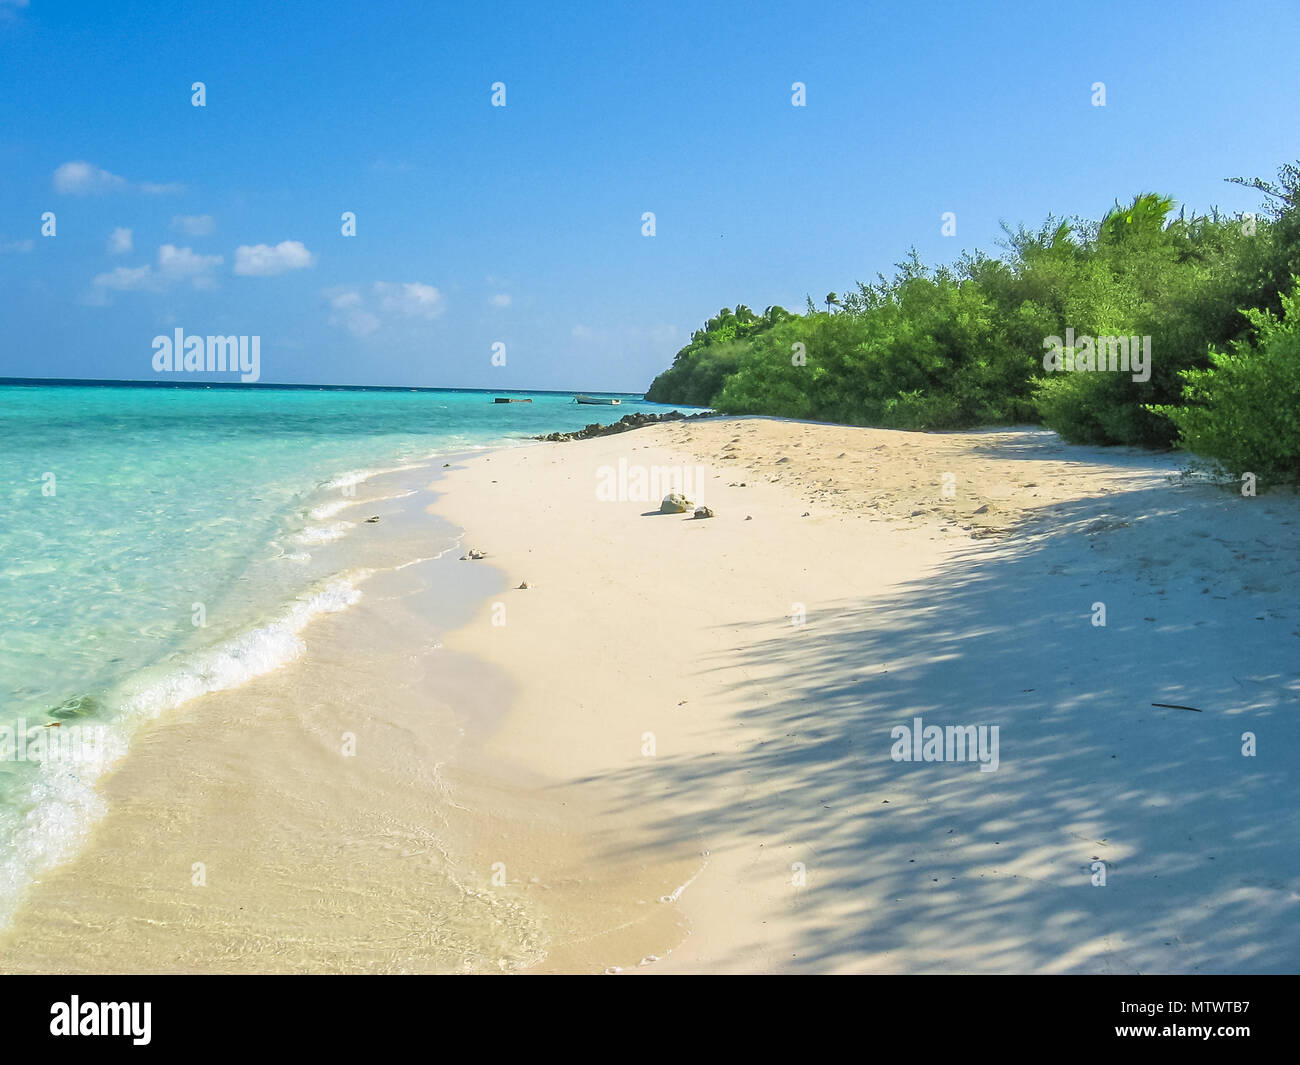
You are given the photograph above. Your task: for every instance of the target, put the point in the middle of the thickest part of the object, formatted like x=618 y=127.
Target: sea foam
x=61 y=804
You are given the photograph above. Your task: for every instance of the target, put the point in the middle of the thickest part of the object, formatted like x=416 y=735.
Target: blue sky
x=523 y=224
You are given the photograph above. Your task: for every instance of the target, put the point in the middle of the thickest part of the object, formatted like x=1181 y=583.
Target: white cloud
x=20 y=247
x=362 y=313
x=411 y=299
x=80 y=178
x=175 y=266
x=501 y=299
x=127 y=279
x=262 y=260
x=194 y=225
x=119 y=241
x=182 y=264
x=362 y=323
x=350 y=313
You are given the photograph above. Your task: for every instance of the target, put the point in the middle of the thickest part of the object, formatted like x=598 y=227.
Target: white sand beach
x=773 y=740
x=676 y=740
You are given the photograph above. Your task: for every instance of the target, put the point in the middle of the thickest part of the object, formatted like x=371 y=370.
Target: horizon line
x=109 y=382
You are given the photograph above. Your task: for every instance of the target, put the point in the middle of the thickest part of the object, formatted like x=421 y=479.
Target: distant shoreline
x=93 y=382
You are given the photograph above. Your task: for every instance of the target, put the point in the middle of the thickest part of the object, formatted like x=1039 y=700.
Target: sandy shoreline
x=701 y=711
x=773 y=740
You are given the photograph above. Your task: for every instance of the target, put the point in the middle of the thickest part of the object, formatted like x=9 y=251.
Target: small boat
x=599 y=400
x=508 y=399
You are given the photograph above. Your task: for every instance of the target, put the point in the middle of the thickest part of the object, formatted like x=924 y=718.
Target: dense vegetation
x=963 y=345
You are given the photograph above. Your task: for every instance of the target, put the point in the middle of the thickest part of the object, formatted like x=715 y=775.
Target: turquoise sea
x=158 y=543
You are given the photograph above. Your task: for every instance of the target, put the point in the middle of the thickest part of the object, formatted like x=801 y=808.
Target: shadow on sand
x=936 y=867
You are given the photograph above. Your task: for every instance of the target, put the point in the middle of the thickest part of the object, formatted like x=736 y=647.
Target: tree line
x=963 y=345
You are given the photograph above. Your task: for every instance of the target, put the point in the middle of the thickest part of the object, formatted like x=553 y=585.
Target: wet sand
x=336 y=815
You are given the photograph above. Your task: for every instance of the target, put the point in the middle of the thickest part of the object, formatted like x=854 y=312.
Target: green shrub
x=1243 y=412
x=957 y=347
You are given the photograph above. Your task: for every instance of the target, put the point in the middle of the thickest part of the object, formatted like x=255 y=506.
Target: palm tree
x=1145 y=215
x=832 y=300
x=724 y=316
